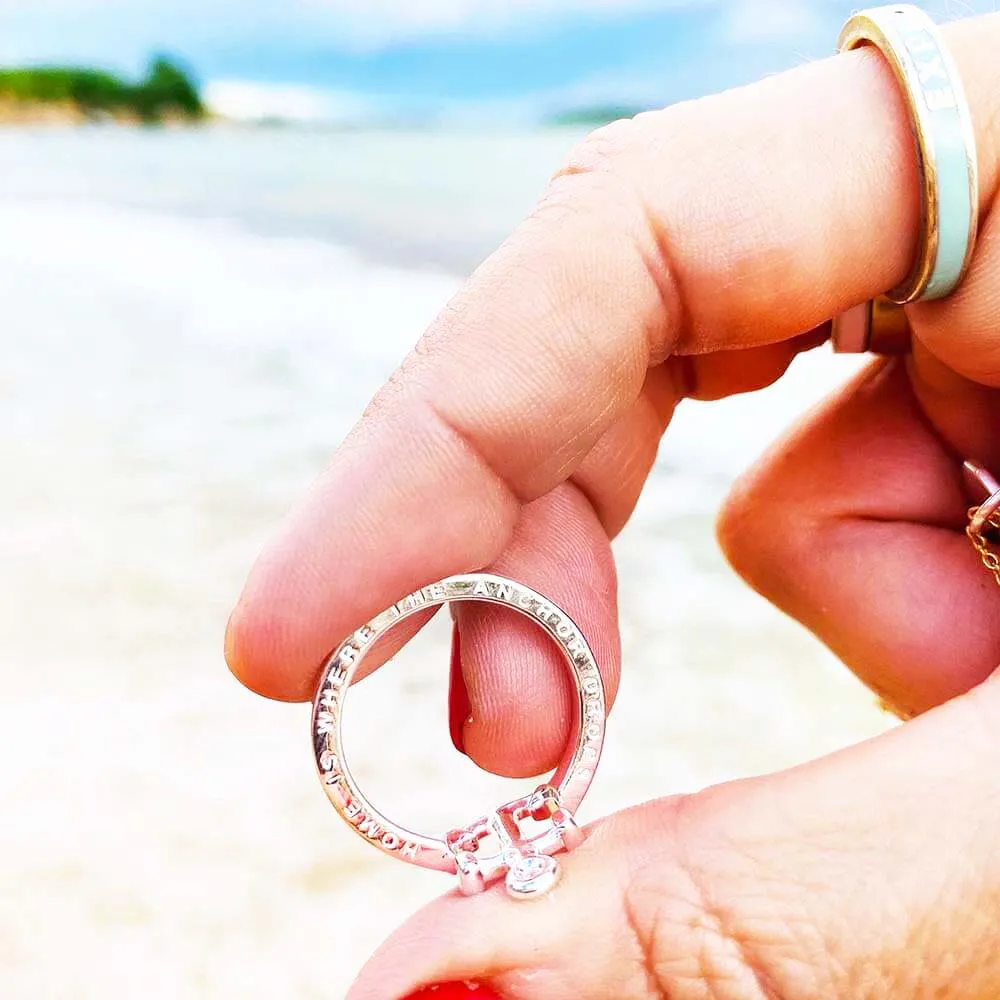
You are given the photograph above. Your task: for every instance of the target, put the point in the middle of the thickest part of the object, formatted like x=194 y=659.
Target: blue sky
x=352 y=57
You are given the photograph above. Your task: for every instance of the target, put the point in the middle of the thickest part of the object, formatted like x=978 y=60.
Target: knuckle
x=626 y=148
x=606 y=148
x=404 y=381
x=399 y=385
x=603 y=176
x=603 y=187
x=603 y=172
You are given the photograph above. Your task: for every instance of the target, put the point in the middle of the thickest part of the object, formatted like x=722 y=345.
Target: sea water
x=190 y=323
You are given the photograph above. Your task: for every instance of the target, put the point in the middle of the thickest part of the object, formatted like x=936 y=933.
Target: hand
x=684 y=254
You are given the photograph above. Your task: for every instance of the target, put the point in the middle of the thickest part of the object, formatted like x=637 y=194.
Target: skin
x=659 y=267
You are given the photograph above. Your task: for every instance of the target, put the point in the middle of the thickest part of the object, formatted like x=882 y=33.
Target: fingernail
x=455 y=991
x=229 y=650
x=459 y=706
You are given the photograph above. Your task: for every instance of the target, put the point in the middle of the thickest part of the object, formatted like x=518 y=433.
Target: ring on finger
x=946 y=157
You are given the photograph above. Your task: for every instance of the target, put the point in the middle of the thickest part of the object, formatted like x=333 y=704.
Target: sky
x=360 y=58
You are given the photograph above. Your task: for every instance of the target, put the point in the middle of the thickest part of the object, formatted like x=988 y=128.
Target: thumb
x=870 y=874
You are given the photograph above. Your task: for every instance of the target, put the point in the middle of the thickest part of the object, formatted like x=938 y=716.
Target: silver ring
x=517 y=839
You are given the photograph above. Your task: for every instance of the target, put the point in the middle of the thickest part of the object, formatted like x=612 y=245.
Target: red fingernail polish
x=455 y=991
x=459 y=706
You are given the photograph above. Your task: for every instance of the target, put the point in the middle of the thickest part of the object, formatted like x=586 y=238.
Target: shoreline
x=17 y=113
x=68 y=114
x=37 y=113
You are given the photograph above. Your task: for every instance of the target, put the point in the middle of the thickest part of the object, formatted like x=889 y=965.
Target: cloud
x=752 y=21
x=816 y=23
x=240 y=100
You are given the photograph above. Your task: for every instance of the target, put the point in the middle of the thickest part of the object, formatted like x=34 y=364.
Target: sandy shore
x=30 y=113
x=66 y=113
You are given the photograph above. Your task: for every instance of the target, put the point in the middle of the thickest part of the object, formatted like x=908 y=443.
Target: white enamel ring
x=945 y=148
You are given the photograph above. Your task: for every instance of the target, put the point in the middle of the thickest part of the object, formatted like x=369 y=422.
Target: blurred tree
x=167 y=91
x=92 y=90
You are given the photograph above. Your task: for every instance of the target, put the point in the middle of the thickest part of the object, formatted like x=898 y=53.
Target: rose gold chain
x=989 y=556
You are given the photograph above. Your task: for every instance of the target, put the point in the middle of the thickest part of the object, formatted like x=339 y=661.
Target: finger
x=956 y=355
x=649 y=244
x=290 y=679
x=963 y=330
x=871 y=874
x=965 y=415
x=520 y=693
x=615 y=470
x=869 y=495
x=561 y=549
x=729 y=373
x=613 y=474
x=854 y=525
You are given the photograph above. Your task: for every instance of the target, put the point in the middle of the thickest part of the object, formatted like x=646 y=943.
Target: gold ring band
x=931 y=86
x=945 y=147
x=879 y=326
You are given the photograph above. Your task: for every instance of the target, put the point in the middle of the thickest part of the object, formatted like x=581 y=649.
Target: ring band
x=945 y=141
x=946 y=158
x=977 y=477
x=877 y=326
x=518 y=838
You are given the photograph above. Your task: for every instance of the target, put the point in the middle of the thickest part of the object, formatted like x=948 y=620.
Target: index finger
x=734 y=221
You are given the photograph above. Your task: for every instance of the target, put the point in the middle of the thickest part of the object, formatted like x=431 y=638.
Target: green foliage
x=166 y=91
x=89 y=89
